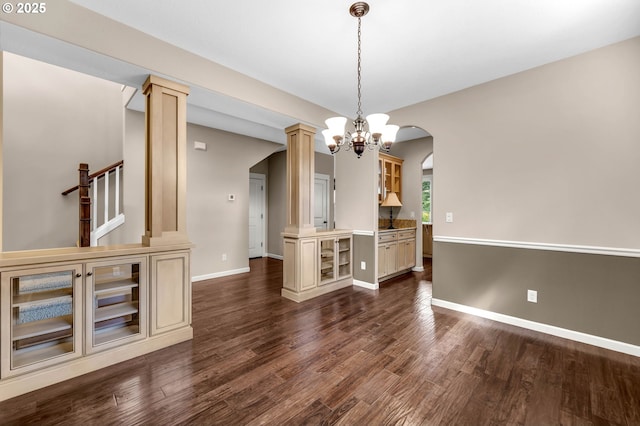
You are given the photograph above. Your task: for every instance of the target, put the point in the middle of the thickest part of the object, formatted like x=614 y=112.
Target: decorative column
x=300 y=179
x=300 y=265
x=166 y=162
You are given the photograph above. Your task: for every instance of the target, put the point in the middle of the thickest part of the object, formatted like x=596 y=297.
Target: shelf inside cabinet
x=30 y=299
x=110 y=286
x=115 y=311
x=33 y=354
x=39 y=328
x=327 y=265
x=109 y=334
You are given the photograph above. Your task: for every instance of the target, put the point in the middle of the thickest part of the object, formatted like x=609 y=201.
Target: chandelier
x=370 y=133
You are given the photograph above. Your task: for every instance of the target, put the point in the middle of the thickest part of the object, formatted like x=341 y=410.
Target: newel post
x=84 y=239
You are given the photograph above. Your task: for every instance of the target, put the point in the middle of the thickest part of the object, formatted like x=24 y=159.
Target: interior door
x=321 y=202
x=256 y=215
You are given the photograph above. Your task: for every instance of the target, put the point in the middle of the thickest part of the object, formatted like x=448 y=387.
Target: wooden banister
x=97 y=175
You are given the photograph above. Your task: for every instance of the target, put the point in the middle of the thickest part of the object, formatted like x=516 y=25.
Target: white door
x=321 y=202
x=256 y=215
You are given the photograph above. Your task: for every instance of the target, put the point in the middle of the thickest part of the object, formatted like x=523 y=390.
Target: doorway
x=321 y=201
x=257 y=211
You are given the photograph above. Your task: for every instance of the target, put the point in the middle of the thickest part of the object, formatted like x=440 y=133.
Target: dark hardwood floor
x=354 y=357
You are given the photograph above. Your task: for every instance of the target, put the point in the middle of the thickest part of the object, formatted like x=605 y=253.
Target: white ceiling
x=412 y=50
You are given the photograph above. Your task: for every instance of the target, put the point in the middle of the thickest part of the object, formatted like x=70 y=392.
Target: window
x=427 y=189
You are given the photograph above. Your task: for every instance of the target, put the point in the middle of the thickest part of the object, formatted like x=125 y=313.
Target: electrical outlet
x=224 y=257
x=532 y=296
x=363 y=265
x=449 y=217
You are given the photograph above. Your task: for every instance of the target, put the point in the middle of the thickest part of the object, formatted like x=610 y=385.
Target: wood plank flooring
x=353 y=357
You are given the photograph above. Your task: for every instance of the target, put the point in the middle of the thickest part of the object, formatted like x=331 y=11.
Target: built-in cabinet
x=67 y=312
x=389 y=176
x=316 y=263
x=396 y=251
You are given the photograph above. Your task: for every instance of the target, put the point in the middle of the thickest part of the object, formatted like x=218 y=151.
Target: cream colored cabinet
x=116 y=302
x=335 y=259
x=66 y=312
x=396 y=251
x=316 y=263
x=41 y=317
x=389 y=176
x=387 y=253
x=170 y=292
x=406 y=249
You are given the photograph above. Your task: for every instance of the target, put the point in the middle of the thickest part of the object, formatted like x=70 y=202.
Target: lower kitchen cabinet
x=396 y=251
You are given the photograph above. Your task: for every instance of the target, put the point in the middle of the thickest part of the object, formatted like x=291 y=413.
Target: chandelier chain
x=359 y=112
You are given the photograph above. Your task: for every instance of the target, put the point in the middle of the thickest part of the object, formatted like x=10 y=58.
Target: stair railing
x=89 y=231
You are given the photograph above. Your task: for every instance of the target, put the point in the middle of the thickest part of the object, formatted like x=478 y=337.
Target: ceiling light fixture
x=372 y=132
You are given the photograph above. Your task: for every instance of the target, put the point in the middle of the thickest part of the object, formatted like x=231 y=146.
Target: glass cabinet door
x=344 y=257
x=116 y=303
x=41 y=317
x=327 y=260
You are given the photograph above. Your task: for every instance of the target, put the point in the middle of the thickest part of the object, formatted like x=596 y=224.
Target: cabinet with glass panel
x=116 y=302
x=335 y=258
x=42 y=320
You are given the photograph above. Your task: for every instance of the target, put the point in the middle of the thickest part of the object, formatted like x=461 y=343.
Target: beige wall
x=356 y=191
x=216 y=225
x=277 y=200
x=54 y=119
x=547 y=155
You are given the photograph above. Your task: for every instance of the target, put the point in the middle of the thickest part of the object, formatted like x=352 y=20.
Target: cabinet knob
x=78 y=275
x=89 y=274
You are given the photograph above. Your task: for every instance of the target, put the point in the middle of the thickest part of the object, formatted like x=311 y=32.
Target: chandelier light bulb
x=376 y=124
x=389 y=135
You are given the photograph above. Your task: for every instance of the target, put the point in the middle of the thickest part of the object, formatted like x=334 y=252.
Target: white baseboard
x=366 y=285
x=577 y=336
x=275 y=256
x=219 y=274
x=418 y=269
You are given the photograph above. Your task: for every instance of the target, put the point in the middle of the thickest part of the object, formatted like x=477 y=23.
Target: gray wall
x=54 y=119
x=592 y=294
